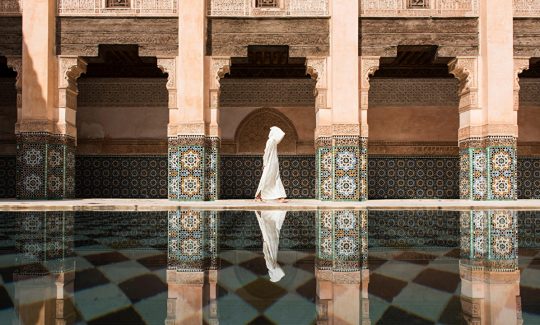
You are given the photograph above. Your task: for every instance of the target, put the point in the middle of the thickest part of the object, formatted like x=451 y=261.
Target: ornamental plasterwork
x=368 y=66
x=520 y=65
x=168 y=66
x=316 y=68
x=431 y=8
x=219 y=67
x=526 y=8
x=15 y=63
x=144 y=8
x=287 y=8
x=11 y=7
x=69 y=70
x=465 y=69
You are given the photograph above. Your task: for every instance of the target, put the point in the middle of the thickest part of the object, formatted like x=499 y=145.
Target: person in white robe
x=270 y=185
x=270 y=223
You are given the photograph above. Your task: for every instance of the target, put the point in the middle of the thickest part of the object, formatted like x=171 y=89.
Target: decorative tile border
x=413 y=177
x=45 y=166
x=240 y=176
x=342 y=168
x=488 y=168
x=121 y=177
x=8 y=172
x=193 y=172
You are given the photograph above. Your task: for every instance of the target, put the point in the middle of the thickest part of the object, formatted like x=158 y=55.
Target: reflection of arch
x=252 y=133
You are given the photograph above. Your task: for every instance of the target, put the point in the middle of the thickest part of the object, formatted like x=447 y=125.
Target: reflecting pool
x=270 y=267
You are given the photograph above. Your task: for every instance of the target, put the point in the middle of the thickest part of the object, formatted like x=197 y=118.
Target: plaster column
x=489 y=267
x=342 y=152
x=488 y=120
x=44 y=149
x=193 y=164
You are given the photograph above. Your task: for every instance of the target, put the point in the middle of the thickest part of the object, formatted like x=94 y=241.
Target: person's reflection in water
x=270 y=223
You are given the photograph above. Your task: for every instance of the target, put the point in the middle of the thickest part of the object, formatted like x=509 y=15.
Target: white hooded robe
x=270 y=223
x=270 y=185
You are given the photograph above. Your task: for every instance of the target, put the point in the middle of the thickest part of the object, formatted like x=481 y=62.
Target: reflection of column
x=45 y=275
x=192 y=267
x=489 y=267
x=341 y=267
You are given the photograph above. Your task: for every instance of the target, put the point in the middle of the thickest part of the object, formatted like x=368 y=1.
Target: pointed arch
x=252 y=133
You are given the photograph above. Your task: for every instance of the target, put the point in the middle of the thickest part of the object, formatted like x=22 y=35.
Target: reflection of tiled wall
x=528 y=178
x=240 y=230
x=121 y=177
x=400 y=229
x=529 y=229
x=413 y=177
x=240 y=176
x=7 y=176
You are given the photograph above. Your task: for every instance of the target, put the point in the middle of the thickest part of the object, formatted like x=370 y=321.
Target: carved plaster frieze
x=481 y=131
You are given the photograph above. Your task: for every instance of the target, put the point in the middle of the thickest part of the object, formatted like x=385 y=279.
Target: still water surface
x=270 y=267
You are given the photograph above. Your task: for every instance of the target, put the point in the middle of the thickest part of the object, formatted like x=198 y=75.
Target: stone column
x=489 y=267
x=193 y=135
x=45 y=159
x=488 y=121
x=341 y=150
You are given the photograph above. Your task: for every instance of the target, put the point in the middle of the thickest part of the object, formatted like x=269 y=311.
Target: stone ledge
x=292 y=205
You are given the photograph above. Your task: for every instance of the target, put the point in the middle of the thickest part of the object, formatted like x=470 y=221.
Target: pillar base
x=45 y=166
x=193 y=168
x=342 y=168
x=488 y=168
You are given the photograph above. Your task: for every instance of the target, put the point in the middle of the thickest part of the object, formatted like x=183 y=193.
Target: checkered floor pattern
x=247 y=296
x=424 y=286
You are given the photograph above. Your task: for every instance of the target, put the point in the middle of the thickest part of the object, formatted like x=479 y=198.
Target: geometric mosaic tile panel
x=121 y=177
x=8 y=172
x=488 y=168
x=528 y=177
x=240 y=176
x=407 y=229
x=193 y=172
x=45 y=166
x=342 y=168
x=413 y=177
x=240 y=230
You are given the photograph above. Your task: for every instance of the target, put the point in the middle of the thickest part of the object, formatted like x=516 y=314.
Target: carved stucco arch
x=69 y=70
x=520 y=65
x=316 y=69
x=168 y=66
x=252 y=133
x=465 y=69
